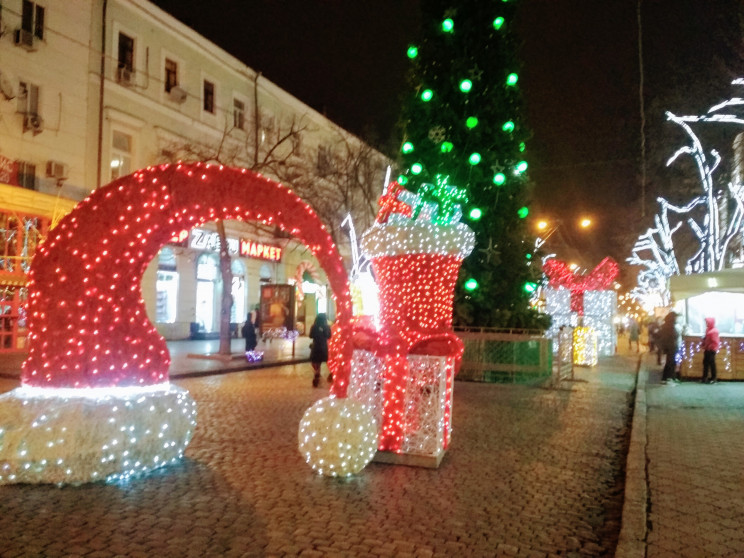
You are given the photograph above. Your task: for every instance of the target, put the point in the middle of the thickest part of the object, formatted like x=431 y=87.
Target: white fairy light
x=654 y=250
x=73 y=436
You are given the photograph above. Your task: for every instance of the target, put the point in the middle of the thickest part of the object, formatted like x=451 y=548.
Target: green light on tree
x=407 y=147
x=412 y=52
x=499 y=178
x=522 y=147
x=427 y=95
x=498 y=23
x=508 y=126
x=521 y=167
x=530 y=287
x=448 y=25
x=402 y=179
x=474 y=158
x=446 y=146
x=511 y=79
x=470 y=285
x=475 y=214
x=523 y=212
x=466 y=85
x=417 y=168
x=471 y=122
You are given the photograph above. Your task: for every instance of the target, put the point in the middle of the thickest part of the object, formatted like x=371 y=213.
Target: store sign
x=209 y=241
x=8 y=171
x=252 y=249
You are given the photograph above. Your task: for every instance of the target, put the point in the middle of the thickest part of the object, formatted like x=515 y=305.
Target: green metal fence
x=505 y=356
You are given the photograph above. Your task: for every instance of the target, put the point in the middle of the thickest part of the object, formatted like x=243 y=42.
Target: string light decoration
x=404 y=368
x=585 y=346
x=600 y=308
x=713 y=219
x=88 y=326
x=337 y=437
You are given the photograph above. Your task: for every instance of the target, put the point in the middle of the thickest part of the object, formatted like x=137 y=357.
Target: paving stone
x=530 y=470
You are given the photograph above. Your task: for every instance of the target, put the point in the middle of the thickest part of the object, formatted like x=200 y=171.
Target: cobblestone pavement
x=695 y=469
x=531 y=472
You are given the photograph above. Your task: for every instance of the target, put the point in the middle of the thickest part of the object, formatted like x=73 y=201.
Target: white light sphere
x=338 y=437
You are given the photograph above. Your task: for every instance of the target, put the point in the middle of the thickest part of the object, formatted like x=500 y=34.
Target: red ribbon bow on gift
x=599 y=279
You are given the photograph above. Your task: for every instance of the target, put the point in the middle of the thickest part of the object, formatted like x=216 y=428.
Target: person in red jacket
x=711 y=344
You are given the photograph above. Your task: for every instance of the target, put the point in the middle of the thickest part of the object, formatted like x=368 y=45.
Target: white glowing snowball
x=338 y=437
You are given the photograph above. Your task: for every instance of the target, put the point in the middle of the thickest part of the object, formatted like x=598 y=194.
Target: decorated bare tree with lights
x=462 y=127
x=708 y=225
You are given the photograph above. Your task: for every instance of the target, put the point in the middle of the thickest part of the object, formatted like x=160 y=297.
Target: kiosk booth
x=718 y=295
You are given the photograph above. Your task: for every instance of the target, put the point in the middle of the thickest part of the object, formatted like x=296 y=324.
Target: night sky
x=580 y=80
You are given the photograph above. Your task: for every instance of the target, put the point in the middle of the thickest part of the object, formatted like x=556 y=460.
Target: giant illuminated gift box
x=585 y=346
x=600 y=308
x=558 y=307
x=408 y=360
x=591 y=299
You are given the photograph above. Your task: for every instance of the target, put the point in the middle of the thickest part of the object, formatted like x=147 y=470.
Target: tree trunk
x=227 y=300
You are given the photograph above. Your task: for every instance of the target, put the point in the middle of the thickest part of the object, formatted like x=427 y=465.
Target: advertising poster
x=277 y=307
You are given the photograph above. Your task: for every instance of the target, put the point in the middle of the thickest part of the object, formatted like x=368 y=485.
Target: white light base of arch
x=74 y=436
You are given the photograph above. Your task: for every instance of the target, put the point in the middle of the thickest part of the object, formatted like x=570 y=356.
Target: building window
x=125 y=64
x=208 y=96
x=28 y=98
x=238 y=114
x=171 y=74
x=32 y=19
x=237 y=310
x=121 y=155
x=324 y=160
x=26 y=175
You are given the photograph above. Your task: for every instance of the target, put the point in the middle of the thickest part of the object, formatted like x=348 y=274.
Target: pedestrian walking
x=711 y=344
x=634 y=334
x=249 y=333
x=653 y=339
x=670 y=337
x=320 y=333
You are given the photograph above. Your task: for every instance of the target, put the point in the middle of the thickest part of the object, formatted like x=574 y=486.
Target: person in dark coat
x=249 y=333
x=320 y=333
x=670 y=338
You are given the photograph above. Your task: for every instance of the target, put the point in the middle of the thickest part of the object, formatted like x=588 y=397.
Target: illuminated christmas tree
x=462 y=126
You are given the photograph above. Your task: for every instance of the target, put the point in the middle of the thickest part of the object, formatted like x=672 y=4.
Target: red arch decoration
x=88 y=326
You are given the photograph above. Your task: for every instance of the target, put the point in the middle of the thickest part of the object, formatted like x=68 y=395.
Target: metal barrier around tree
x=505 y=355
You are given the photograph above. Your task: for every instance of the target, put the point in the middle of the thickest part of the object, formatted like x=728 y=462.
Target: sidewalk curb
x=632 y=540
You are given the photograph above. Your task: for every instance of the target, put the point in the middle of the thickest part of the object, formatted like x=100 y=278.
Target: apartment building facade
x=95 y=89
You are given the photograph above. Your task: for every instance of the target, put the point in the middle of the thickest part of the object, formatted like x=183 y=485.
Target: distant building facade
x=91 y=90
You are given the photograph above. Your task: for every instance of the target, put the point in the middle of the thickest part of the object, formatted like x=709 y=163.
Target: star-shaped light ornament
x=491 y=251
x=475 y=73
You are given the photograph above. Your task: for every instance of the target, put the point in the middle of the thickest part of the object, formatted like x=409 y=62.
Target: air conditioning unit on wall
x=25 y=39
x=125 y=76
x=33 y=122
x=56 y=169
x=177 y=94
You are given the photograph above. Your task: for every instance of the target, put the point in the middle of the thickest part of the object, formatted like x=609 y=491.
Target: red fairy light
x=132 y=352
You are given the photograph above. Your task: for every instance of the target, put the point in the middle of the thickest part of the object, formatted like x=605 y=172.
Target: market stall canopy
x=686 y=286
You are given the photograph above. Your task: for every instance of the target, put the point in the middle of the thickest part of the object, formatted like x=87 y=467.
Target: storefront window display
x=207 y=270
x=238 y=312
